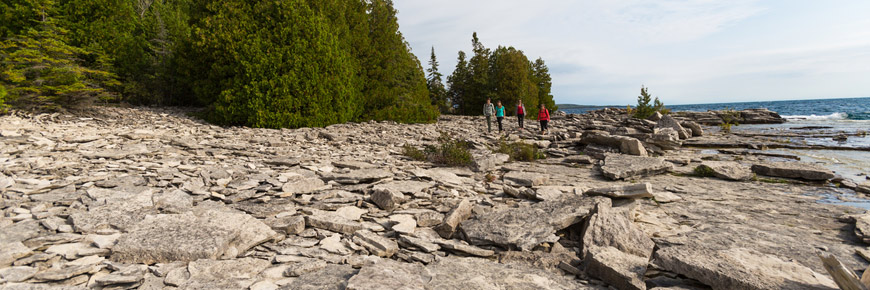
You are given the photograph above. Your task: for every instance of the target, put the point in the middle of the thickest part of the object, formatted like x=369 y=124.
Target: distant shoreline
x=576 y=106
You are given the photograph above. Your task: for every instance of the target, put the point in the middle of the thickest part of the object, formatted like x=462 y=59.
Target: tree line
x=503 y=74
x=273 y=64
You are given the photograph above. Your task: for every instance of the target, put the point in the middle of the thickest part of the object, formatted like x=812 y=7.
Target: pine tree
x=43 y=72
x=544 y=84
x=644 y=109
x=479 y=84
x=437 y=92
x=458 y=82
x=510 y=79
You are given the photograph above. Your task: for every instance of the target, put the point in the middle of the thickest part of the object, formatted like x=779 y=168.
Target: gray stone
x=459 y=273
x=407 y=241
x=352 y=164
x=332 y=222
x=640 y=190
x=302 y=185
x=103 y=241
x=403 y=186
x=300 y=268
x=632 y=146
x=694 y=127
x=617 y=251
x=669 y=122
x=331 y=277
x=108 y=217
x=459 y=213
x=17 y=274
x=361 y=176
x=863 y=187
x=796 y=170
x=387 y=199
x=128 y=276
x=526 y=226
x=667 y=139
x=350 y=212
x=618 y=166
x=403 y=223
x=55 y=274
x=527 y=178
x=862 y=228
x=205 y=233
x=458 y=246
x=377 y=245
x=727 y=170
x=289 y=225
x=489 y=162
x=174 y=200
x=739 y=268
x=226 y=274
x=10 y=252
x=442 y=175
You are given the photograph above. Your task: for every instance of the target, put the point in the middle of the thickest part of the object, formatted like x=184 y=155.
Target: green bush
x=519 y=151
x=3 y=107
x=704 y=171
x=644 y=109
x=414 y=153
x=448 y=152
x=729 y=118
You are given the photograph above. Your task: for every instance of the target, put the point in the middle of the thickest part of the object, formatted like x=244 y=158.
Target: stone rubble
x=150 y=198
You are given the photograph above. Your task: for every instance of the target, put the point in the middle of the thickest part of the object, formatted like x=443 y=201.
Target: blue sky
x=686 y=51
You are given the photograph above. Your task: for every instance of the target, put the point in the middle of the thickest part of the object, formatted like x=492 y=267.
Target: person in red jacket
x=544 y=117
x=521 y=113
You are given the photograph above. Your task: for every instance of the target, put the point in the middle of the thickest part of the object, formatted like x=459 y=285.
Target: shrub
x=2 y=100
x=448 y=152
x=519 y=151
x=645 y=109
x=413 y=153
x=729 y=118
x=703 y=171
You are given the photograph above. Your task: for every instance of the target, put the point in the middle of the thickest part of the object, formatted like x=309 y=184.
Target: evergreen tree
x=437 y=92
x=511 y=80
x=544 y=83
x=271 y=64
x=394 y=84
x=458 y=82
x=644 y=109
x=43 y=72
x=3 y=106
x=479 y=84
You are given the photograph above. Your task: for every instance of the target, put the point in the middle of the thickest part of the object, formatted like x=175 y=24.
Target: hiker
x=488 y=111
x=499 y=115
x=544 y=117
x=521 y=113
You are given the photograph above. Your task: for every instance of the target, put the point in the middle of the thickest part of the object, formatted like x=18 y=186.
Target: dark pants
x=544 y=125
x=520 y=118
x=499 y=122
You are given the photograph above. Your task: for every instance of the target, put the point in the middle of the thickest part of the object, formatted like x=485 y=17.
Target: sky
x=600 y=52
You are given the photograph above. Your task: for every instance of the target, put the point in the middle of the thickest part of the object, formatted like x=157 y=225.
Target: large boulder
x=669 y=122
x=694 y=127
x=796 y=170
x=640 y=190
x=727 y=170
x=626 y=145
x=666 y=138
x=489 y=162
x=617 y=166
x=207 y=232
x=616 y=250
x=528 y=225
x=456 y=215
x=738 y=268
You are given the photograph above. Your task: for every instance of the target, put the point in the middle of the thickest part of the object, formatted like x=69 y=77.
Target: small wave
x=834 y=116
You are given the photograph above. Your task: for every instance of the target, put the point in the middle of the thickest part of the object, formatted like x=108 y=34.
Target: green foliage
x=3 y=107
x=414 y=153
x=519 y=151
x=448 y=152
x=437 y=91
x=704 y=171
x=729 y=118
x=43 y=72
x=504 y=74
x=644 y=109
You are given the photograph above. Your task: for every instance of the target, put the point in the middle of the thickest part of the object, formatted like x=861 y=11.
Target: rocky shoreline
x=150 y=198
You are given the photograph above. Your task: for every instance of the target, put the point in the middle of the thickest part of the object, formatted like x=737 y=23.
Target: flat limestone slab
x=618 y=166
x=797 y=170
x=526 y=226
x=204 y=233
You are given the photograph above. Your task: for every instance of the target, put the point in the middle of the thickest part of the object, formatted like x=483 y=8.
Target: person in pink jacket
x=544 y=118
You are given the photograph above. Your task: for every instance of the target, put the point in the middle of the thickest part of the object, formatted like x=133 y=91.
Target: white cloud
x=686 y=49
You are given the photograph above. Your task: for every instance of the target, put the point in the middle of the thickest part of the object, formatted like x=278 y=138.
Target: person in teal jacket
x=499 y=115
